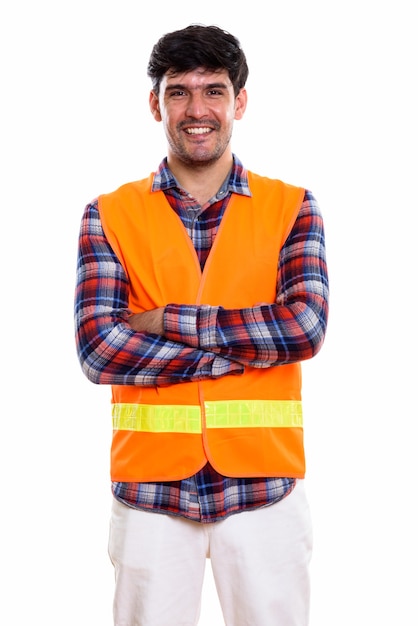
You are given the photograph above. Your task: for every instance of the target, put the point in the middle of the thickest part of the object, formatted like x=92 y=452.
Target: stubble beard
x=199 y=157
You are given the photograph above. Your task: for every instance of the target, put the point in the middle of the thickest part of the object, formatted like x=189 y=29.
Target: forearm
x=274 y=334
x=125 y=357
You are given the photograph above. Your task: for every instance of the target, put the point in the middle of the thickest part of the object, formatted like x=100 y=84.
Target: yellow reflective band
x=175 y=418
x=153 y=418
x=254 y=414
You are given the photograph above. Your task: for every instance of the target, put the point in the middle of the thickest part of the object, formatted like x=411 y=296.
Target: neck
x=202 y=181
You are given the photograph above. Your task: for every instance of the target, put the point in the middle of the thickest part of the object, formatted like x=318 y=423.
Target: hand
x=148 y=322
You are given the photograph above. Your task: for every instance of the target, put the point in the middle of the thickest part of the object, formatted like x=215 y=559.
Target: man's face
x=198 y=109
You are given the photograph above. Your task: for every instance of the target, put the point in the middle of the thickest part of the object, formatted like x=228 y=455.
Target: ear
x=240 y=104
x=155 y=107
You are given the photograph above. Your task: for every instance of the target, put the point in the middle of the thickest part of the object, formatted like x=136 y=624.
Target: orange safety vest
x=247 y=425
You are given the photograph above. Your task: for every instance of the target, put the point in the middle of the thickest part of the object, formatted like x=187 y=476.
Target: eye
x=178 y=93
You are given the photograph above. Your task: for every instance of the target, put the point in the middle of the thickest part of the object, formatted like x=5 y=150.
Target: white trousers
x=259 y=558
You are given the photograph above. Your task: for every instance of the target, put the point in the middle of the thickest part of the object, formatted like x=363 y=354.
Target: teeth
x=197 y=131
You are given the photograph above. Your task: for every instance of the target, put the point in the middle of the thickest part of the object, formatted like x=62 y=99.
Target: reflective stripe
x=157 y=418
x=254 y=414
x=223 y=414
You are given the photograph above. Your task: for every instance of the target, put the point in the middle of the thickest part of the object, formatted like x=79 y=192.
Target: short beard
x=199 y=162
x=204 y=159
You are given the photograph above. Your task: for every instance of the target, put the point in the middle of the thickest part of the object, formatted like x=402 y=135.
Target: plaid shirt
x=200 y=341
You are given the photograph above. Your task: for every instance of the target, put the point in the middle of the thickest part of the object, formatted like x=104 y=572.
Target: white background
x=332 y=107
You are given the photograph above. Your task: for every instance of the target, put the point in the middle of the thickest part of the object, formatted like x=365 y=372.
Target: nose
x=196 y=105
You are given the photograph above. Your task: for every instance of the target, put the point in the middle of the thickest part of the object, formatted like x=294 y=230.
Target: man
x=200 y=289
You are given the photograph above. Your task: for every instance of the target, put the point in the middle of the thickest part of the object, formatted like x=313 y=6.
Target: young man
x=200 y=289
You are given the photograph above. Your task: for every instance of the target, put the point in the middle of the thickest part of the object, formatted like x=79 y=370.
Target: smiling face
x=198 y=109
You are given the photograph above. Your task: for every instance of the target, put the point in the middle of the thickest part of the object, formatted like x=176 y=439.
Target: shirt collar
x=237 y=182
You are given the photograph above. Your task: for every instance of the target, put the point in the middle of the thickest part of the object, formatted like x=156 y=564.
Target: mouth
x=197 y=130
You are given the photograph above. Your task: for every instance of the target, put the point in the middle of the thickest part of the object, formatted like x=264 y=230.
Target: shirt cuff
x=180 y=324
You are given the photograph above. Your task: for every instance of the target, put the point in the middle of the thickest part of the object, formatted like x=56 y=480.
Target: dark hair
x=196 y=46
